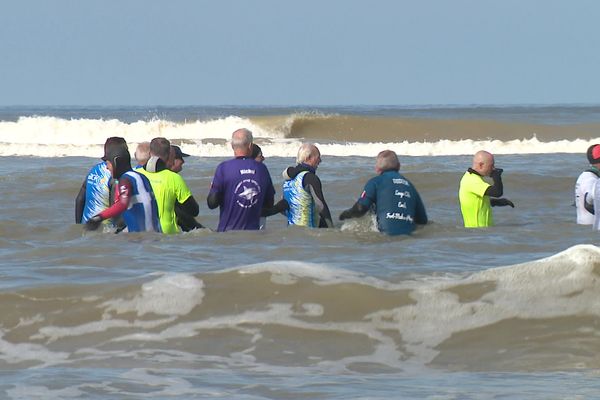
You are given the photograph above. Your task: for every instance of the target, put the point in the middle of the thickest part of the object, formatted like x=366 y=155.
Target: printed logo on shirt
x=247 y=192
x=399 y=216
x=402 y=194
x=97 y=179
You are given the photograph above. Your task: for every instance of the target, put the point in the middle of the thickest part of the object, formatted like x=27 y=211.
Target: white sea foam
x=57 y=137
x=287 y=272
x=174 y=294
x=562 y=285
x=28 y=392
x=13 y=353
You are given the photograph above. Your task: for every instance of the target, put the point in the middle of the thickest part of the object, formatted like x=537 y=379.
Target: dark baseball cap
x=113 y=143
x=178 y=153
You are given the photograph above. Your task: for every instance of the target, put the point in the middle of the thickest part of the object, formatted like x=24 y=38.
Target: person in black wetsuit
x=257 y=153
x=185 y=220
x=278 y=208
x=304 y=192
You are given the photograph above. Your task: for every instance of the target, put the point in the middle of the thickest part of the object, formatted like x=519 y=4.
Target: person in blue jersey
x=392 y=197
x=241 y=187
x=303 y=191
x=134 y=199
x=95 y=193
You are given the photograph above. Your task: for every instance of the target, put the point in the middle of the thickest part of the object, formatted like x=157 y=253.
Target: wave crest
x=336 y=135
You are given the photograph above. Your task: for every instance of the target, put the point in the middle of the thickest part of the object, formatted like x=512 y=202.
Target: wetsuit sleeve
x=356 y=211
x=280 y=207
x=501 y=203
x=213 y=200
x=270 y=195
x=497 y=189
x=215 y=195
x=190 y=206
x=185 y=220
x=367 y=198
x=123 y=196
x=80 y=203
x=312 y=183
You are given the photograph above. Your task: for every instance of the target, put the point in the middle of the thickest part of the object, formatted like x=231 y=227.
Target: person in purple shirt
x=241 y=187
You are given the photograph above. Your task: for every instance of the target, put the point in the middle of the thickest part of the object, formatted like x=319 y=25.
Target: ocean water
x=508 y=312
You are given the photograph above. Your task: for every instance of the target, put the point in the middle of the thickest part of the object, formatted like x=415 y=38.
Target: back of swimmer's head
x=113 y=142
x=160 y=147
x=142 y=153
x=307 y=152
x=387 y=160
x=119 y=161
x=241 y=142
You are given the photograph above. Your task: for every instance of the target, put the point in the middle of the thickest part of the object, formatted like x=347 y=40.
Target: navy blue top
x=395 y=201
x=243 y=186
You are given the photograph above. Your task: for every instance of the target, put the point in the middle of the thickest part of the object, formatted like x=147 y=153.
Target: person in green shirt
x=169 y=187
x=476 y=196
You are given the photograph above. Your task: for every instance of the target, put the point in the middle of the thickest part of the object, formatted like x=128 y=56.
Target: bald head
x=241 y=142
x=483 y=163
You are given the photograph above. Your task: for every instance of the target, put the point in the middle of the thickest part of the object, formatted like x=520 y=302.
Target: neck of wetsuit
x=308 y=167
x=471 y=170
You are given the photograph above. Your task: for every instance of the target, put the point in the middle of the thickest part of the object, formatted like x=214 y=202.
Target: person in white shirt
x=585 y=187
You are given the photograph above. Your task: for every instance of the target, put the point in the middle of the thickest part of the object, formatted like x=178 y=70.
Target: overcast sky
x=278 y=52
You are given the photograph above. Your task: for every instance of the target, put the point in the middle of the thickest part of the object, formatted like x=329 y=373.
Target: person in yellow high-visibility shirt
x=476 y=196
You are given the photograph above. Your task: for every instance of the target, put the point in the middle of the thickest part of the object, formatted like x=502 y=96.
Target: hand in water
x=93 y=223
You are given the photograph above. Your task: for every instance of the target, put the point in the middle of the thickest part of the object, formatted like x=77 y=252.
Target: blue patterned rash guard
x=97 y=191
x=396 y=202
x=302 y=210
x=303 y=193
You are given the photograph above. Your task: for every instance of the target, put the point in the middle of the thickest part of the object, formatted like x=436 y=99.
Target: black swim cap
x=256 y=150
x=113 y=143
x=120 y=158
x=593 y=154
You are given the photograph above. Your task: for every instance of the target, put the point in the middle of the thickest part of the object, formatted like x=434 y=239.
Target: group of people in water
x=152 y=196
